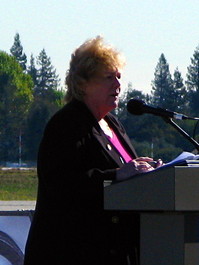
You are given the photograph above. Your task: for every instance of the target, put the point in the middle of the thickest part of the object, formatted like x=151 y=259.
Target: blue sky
x=141 y=30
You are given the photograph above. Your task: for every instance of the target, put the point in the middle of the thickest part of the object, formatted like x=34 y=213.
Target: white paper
x=183 y=157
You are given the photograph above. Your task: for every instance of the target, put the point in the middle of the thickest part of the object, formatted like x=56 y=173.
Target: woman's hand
x=137 y=166
x=154 y=164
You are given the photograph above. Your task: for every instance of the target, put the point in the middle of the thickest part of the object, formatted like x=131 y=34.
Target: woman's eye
x=109 y=76
x=112 y=76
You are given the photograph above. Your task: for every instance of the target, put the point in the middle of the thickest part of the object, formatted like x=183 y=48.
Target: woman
x=83 y=145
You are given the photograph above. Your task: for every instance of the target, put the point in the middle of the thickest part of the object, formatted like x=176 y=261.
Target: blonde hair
x=86 y=62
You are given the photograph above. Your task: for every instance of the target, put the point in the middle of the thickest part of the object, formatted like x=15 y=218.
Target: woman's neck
x=97 y=112
x=105 y=127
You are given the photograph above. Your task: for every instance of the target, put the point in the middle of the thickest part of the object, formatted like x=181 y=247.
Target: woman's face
x=102 y=92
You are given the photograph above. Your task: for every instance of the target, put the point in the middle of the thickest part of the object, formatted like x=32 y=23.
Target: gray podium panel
x=187 y=188
x=166 y=189
x=161 y=239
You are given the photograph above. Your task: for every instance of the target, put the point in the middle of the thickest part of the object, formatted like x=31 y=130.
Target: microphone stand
x=181 y=131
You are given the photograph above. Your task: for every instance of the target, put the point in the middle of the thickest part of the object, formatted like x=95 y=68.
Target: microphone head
x=136 y=106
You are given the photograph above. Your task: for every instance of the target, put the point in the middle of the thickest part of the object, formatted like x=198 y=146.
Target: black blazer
x=74 y=159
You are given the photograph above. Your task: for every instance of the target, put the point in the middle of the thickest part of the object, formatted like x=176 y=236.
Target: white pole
x=152 y=149
x=20 y=148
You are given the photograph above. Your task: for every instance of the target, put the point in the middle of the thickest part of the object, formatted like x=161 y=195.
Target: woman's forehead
x=109 y=70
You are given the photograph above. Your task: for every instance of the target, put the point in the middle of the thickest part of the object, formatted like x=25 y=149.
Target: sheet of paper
x=183 y=157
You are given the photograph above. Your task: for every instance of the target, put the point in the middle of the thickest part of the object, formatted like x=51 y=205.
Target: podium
x=167 y=201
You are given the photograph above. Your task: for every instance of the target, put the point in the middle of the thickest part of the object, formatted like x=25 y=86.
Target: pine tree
x=47 y=79
x=47 y=100
x=180 y=93
x=17 y=51
x=162 y=85
x=193 y=82
x=193 y=72
x=128 y=94
x=32 y=71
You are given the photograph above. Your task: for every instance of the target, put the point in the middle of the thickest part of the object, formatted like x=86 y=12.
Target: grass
x=18 y=184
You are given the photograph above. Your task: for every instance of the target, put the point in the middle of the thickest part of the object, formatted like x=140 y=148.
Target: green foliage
x=37 y=119
x=29 y=97
x=167 y=153
x=17 y=51
x=16 y=96
x=32 y=71
x=162 y=85
x=47 y=100
x=193 y=72
x=46 y=74
x=180 y=99
x=193 y=82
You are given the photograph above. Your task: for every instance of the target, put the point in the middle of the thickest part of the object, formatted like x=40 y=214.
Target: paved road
x=17 y=205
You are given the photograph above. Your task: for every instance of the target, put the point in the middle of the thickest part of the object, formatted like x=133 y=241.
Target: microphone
x=139 y=107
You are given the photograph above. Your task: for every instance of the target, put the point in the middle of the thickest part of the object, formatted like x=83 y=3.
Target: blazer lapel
x=108 y=147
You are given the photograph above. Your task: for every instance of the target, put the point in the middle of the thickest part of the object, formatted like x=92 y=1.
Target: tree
x=134 y=124
x=46 y=84
x=128 y=94
x=180 y=93
x=38 y=116
x=47 y=79
x=193 y=82
x=32 y=70
x=162 y=85
x=17 y=51
x=16 y=97
x=47 y=100
x=37 y=119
